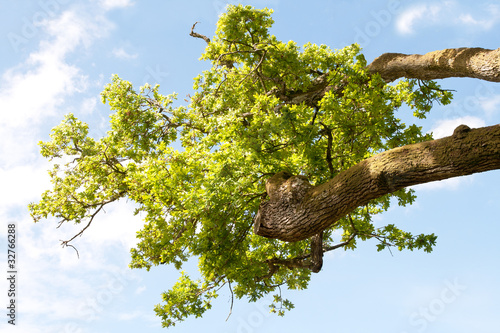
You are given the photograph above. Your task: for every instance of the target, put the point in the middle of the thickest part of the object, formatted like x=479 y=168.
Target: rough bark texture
x=297 y=210
x=462 y=62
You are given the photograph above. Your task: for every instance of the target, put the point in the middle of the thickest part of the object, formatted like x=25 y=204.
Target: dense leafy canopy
x=263 y=106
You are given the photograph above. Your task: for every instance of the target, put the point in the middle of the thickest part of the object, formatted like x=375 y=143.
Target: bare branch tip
x=65 y=244
x=197 y=35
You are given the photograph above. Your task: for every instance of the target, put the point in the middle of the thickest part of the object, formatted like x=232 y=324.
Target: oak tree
x=282 y=153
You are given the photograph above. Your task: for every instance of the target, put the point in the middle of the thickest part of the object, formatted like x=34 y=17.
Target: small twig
x=232 y=299
x=316 y=109
x=66 y=244
x=256 y=67
x=336 y=246
x=432 y=88
x=329 y=159
x=197 y=35
x=113 y=167
x=220 y=84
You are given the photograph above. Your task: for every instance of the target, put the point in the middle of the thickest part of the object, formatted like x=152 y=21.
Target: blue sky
x=56 y=56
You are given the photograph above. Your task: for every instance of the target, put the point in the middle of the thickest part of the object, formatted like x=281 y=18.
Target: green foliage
x=254 y=113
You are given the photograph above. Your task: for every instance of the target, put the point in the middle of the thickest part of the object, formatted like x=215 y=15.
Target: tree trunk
x=296 y=210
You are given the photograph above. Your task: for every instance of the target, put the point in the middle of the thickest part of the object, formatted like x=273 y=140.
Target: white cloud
x=446 y=127
x=130 y=316
x=451 y=184
x=140 y=290
x=447 y=13
x=485 y=22
x=56 y=285
x=36 y=88
x=442 y=129
x=21 y=183
x=468 y=19
x=405 y=23
x=120 y=53
x=407 y=19
x=112 y=4
x=71 y=30
x=88 y=105
x=490 y=105
x=117 y=225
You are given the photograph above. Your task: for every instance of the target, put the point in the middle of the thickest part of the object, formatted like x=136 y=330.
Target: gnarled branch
x=197 y=35
x=297 y=210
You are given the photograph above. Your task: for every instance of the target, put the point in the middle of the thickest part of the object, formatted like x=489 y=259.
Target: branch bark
x=197 y=35
x=462 y=62
x=297 y=210
x=477 y=63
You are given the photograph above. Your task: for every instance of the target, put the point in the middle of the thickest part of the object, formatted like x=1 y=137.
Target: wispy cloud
x=446 y=127
x=120 y=53
x=442 y=129
x=130 y=316
x=34 y=90
x=39 y=87
x=20 y=183
x=482 y=22
x=67 y=289
x=451 y=184
x=490 y=105
x=113 y=4
x=447 y=13
x=407 y=20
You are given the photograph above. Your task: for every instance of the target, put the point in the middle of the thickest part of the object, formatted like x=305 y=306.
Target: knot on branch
x=286 y=192
x=461 y=131
x=283 y=186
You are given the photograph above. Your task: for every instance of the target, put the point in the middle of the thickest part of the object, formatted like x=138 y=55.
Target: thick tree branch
x=296 y=210
x=477 y=63
x=462 y=62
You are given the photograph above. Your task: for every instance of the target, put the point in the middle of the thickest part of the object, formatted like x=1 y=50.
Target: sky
x=55 y=58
